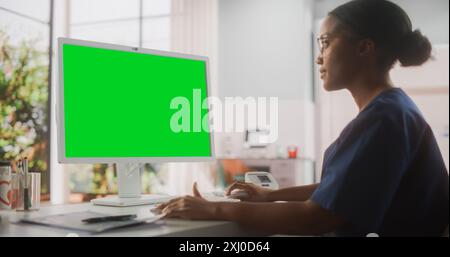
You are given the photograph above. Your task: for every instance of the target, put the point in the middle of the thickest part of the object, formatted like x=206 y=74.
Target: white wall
x=264 y=49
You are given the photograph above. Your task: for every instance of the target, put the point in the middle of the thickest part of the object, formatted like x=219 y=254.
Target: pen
x=26 y=199
x=25 y=166
x=19 y=166
x=109 y=218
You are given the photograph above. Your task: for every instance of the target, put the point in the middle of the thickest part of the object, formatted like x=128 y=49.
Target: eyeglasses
x=322 y=42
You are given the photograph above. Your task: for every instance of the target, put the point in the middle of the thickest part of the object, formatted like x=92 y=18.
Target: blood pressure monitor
x=262 y=179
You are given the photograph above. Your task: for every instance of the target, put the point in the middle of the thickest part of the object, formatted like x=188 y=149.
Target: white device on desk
x=262 y=179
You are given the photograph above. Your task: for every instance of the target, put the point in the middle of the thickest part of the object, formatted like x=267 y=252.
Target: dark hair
x=389 y=27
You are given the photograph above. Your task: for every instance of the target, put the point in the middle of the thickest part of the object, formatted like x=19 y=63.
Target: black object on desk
x=109 y=218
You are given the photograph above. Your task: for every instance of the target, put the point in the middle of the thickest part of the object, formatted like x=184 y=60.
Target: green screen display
x=118 y=104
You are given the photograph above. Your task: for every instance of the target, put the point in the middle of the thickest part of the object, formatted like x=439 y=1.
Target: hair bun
x=415 y=49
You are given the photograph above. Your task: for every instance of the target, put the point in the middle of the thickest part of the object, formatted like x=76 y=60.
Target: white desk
x=164 y=227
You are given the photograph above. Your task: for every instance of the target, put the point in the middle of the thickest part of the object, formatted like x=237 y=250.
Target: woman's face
x=338 y=59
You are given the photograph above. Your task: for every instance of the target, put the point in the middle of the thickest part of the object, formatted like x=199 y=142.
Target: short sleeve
x=362 y=177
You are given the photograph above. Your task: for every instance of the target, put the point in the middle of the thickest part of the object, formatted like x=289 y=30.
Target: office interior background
x=256 y=48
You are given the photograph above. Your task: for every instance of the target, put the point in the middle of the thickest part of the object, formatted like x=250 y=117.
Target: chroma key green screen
x=117 y=104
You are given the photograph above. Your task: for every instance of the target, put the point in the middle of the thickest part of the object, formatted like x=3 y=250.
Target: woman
x=385 y=173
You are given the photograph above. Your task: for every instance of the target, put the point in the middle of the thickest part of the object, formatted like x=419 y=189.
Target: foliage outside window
x=89 y=181
x=23 y=104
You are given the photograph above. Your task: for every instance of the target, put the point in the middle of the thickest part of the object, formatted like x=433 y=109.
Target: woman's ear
x=366 y=47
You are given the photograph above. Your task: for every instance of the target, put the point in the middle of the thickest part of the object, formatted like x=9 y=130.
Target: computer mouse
x=238 y=194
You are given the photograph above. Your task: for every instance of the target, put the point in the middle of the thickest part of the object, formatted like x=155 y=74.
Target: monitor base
x=131 y=201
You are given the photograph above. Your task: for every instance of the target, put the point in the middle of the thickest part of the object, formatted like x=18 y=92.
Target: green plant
x=23 y=103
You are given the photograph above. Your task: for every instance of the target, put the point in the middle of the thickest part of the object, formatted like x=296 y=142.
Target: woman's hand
x=253 y=193
x=189 y=207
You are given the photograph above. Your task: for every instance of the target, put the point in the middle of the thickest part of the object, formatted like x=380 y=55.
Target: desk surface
x=164 y=227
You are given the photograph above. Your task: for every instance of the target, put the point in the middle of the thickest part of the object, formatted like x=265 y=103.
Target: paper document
x=74 y=221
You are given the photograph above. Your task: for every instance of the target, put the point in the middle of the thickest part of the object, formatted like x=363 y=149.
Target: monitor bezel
x=60 y=105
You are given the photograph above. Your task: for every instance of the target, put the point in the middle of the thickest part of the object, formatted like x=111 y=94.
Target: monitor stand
x=129 y=186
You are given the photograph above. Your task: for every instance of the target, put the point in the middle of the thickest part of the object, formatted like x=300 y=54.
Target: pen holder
x=5 y=185
x=26 y=191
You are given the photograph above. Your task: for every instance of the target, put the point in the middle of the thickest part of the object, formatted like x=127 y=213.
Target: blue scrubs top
x=385 y=173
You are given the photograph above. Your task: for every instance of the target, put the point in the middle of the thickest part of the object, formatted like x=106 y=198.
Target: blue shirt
x=385 y=173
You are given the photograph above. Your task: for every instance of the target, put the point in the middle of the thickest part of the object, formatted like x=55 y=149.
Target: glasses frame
x=320 y=42
x=346 y=35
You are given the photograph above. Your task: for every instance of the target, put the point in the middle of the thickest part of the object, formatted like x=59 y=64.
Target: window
x=144 y=23
x=25 y=29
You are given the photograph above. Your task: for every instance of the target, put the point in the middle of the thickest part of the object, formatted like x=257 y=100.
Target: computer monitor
x=130 y=105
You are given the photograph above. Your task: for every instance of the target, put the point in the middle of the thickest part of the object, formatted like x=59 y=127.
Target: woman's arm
x=298 y=218
x=258 y=194
x=299 y=193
